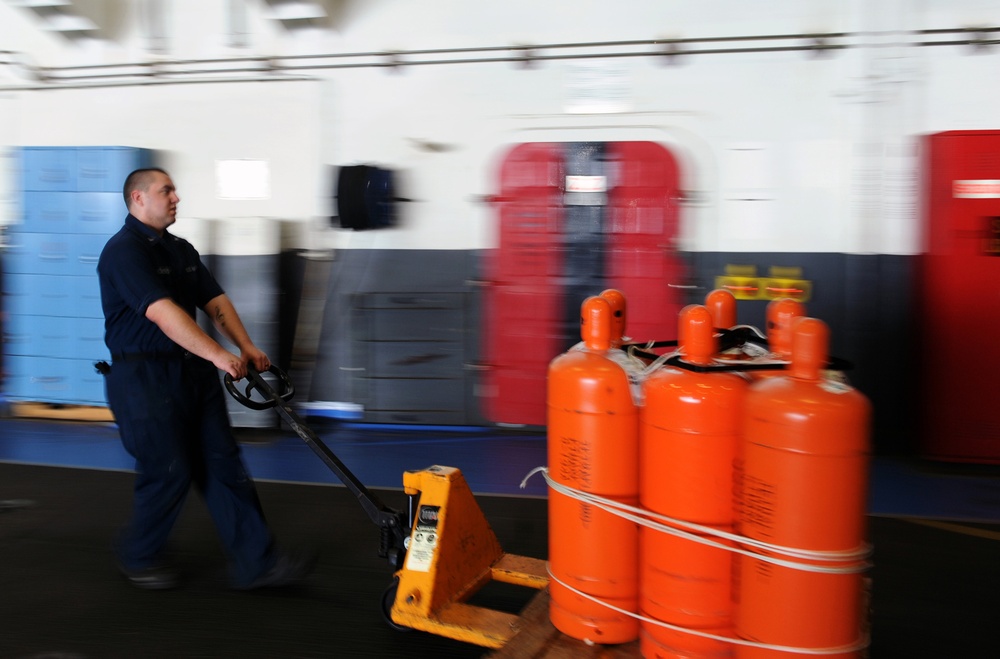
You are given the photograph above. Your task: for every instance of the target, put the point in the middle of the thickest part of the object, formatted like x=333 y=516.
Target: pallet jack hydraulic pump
x=442 y=550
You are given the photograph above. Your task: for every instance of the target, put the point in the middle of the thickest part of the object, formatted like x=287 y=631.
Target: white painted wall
x=780 y=151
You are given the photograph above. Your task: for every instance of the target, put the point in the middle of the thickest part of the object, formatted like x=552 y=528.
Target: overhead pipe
x=278 y=67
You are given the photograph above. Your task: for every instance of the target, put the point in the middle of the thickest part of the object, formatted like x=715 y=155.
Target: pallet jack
x=442 y=550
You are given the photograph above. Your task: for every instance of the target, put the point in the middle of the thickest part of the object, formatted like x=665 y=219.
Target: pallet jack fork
x=443 y=550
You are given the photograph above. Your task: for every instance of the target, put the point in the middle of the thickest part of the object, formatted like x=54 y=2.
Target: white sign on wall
x=586 y=184
x=242 y=179
x=597 y=87
x=976 y=189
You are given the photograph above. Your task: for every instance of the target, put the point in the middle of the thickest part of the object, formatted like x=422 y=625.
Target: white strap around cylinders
x=856 y=558
x=858 y=645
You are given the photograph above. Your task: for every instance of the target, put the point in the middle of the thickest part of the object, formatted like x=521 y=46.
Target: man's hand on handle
x=255 y=356
x=231 y=364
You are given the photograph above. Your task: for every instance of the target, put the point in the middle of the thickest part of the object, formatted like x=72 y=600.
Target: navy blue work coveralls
x=170 y=406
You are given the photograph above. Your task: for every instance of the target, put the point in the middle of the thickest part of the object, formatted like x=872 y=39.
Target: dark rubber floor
x=61 y=597
x=935 y=589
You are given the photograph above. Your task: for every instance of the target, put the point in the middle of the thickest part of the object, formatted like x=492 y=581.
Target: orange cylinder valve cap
x=722 y=305
x=697 y=337
x=618 y=314
x=595 y=323
x=781 y=315
x=810 y=346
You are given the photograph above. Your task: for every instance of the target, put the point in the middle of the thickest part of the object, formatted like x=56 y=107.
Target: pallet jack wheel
x=388 y=598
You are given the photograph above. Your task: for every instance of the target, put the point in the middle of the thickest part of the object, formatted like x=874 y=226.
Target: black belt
x=167 y=355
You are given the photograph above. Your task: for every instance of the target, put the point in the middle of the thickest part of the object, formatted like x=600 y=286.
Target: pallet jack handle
x=394 y=526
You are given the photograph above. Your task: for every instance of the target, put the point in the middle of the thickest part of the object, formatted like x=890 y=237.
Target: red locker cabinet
x=960 y=297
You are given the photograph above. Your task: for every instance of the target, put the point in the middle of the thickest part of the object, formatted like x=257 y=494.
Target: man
x=164 y=391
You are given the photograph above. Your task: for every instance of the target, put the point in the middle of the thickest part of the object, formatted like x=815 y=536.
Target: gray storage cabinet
x=412 y=356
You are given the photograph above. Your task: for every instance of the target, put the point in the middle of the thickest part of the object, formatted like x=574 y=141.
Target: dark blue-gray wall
x=401 y=331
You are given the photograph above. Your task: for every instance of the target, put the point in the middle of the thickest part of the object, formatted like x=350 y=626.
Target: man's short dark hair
x=138 y=180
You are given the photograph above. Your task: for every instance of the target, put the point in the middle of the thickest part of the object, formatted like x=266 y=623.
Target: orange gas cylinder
x=689 y=435
x=618 y=315
x=804 y=486
x=781 y=315
x=722 y=305
x=593 y=437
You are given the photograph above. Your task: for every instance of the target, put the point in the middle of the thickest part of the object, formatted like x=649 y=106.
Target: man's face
x=157 y=203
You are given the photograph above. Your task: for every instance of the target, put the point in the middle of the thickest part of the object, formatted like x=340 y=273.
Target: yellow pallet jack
x=443 y=550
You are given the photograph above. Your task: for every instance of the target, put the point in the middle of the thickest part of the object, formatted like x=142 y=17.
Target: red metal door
x=960 y=296
x=547 y=235
x=644 y=221
x=523 y=299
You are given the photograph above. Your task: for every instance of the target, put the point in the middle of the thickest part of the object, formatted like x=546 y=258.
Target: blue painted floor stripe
x=492 y=461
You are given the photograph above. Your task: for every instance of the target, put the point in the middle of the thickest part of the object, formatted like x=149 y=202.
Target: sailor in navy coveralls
x=164 y=391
